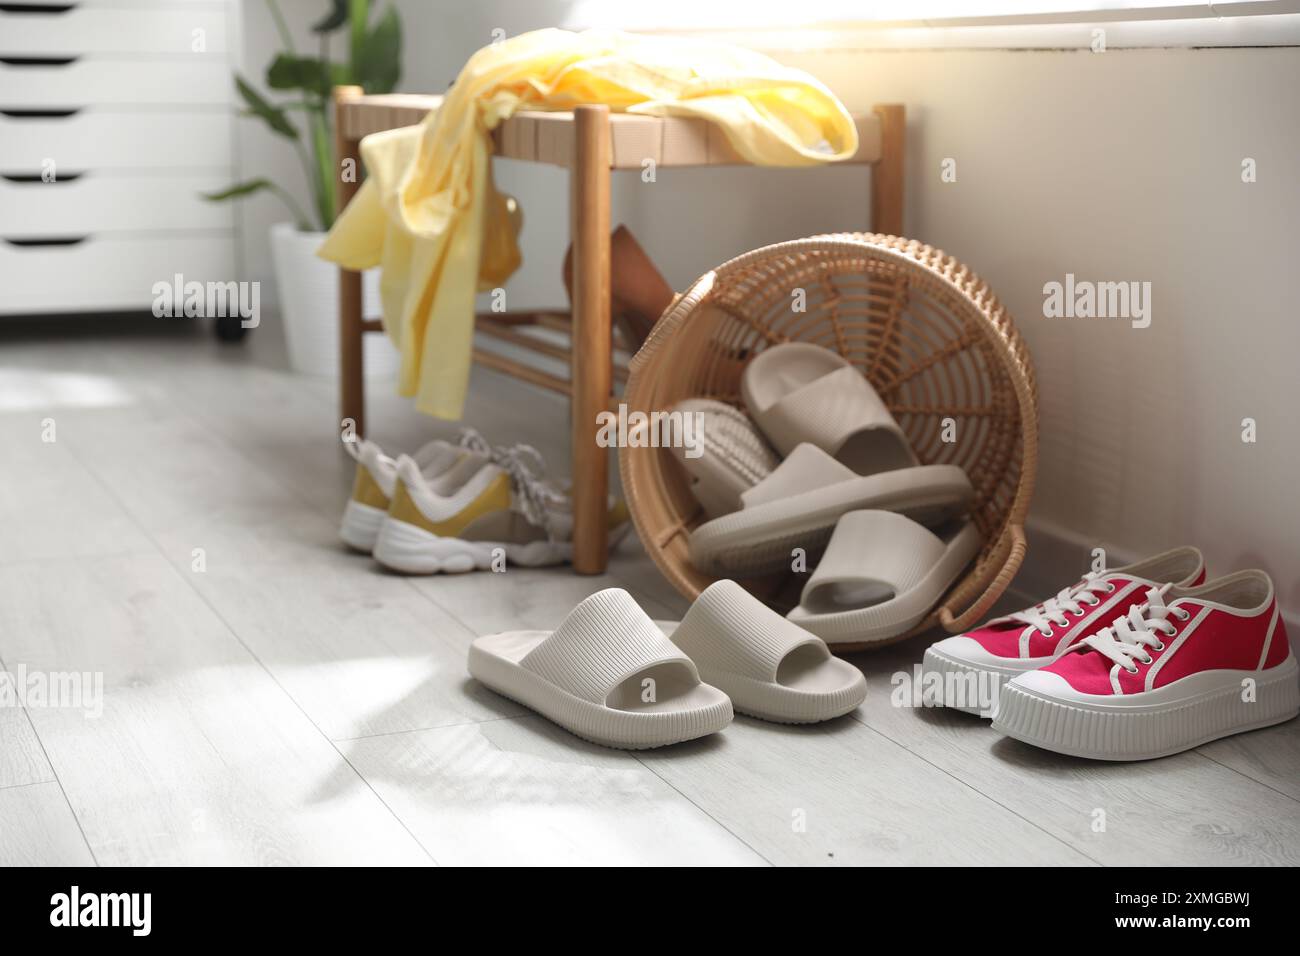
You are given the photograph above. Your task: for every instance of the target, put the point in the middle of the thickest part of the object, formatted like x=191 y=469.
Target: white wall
x=1116 y=166
x=258 y=151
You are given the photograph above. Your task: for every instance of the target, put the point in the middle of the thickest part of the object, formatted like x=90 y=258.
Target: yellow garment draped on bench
x=429 y=213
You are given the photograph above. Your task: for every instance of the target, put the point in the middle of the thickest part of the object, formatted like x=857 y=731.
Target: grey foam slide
x=802 y=393
x=799 y=504
x=882 y=573
x=607 y=674
x=612 y=676
x=770 y=667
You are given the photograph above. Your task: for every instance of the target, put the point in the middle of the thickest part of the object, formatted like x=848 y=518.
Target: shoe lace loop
x=472 y=440
x=1067 y=601
x=538 y=494
x=1127 y=640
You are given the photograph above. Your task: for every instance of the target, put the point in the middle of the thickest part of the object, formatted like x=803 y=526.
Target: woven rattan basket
x=928 y=334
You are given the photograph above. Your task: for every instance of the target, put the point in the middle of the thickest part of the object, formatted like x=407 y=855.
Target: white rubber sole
x=970 y=688
x=779 y=704
x=360 y=526
x=1155 y=723
x=492 y=662
x=404 y=547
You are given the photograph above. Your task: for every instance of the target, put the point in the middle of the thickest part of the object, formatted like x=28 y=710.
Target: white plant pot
x=308 y=289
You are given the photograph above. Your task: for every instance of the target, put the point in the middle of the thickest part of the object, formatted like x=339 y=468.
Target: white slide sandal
x=606 y=674
x=798 y=392
x=769 y=667
x=799 y=504
x=732 y=457
x=881 y=575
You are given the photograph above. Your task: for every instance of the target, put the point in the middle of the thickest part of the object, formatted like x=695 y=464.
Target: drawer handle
x=37 y=8
x=24 y=178
x=47 y=241
x=39 y=60
x=42 y=114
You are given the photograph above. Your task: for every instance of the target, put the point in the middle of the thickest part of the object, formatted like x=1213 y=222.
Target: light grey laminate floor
x=269 y=698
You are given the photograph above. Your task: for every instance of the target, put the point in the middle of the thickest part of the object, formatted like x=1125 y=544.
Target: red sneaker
x=1187 y=667
x=966 y=672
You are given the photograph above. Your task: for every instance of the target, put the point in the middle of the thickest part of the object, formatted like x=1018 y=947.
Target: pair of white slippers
x=613 y=676
x=820 y=464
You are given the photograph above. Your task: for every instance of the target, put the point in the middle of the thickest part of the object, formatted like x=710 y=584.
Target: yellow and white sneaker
x=480 y=512
x=376 y=476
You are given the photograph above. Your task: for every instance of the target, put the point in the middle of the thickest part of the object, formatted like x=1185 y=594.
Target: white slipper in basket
x=881 y=575
x=844 y=453
x=798 y=505
x=606 y=674
x=733 y=455
x=799 y=392
x=770 y=668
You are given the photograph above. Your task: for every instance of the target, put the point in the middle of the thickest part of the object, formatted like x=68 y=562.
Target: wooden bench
x=590 y=142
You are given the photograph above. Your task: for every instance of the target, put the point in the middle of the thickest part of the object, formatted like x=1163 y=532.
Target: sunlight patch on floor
x=28 y=389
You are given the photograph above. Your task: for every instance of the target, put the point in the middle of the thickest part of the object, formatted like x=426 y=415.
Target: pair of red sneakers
x=1128 y=664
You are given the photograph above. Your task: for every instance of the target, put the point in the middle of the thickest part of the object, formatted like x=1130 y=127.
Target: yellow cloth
x=431 y=217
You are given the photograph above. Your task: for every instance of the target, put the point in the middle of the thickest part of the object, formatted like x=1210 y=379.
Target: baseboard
x=1058 y=555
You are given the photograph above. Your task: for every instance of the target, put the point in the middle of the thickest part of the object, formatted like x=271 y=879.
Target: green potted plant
x=307 y=287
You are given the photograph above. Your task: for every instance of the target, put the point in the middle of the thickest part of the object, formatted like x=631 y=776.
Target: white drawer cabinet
x=106 y=139
x=177 y=29
x=130 y=104
x=112 y=272
x=99 y=203
x=96 y=81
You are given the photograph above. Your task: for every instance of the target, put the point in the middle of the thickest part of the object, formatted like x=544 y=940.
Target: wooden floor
x=273 y=699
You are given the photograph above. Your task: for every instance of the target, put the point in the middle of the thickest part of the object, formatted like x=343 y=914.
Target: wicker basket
x=928 y=334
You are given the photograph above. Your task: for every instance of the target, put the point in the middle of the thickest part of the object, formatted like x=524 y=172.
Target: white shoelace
x=473 y=440
x=538 y=494
x=353 y=446
x=1068 y=601
x=1126 y=642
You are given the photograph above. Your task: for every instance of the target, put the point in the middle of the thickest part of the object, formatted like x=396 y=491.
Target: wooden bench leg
x=352 y=393
x=887 y=175
x=592 y=350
